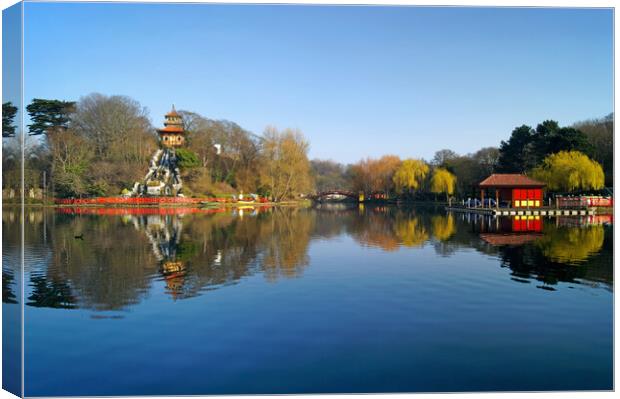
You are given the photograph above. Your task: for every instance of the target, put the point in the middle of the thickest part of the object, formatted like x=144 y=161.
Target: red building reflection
x=515 y=230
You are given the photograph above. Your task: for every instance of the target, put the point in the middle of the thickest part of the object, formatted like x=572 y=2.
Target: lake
x=301 y=300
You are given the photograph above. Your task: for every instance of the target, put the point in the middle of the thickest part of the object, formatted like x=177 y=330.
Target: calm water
x=311 y=300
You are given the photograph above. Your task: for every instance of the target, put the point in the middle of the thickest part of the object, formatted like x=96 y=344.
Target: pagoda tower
x=173 y=134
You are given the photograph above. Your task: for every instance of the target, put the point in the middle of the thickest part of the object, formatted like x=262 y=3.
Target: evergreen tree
x=8 y=116
x=48 y=115
x=514 y=153
x=527 y=147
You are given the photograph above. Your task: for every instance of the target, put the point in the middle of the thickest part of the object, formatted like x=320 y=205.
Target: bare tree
x=286 y=168
x=118 y=131
x=443 y=156
x=118 y=127
x=488 y=159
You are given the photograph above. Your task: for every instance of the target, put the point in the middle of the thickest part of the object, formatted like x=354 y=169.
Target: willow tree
x=410 y=175
x=285 y=168
x=570 y=171
x=443 y=181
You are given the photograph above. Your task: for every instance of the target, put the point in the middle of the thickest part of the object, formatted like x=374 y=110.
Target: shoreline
x=212 y=205
x=218 y=204
x=309 y=203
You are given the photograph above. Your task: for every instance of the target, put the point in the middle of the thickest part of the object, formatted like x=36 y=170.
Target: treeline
x=230 y=159
x=96 y=146
x=101 y=145
x=579 y=157
x=447 y=173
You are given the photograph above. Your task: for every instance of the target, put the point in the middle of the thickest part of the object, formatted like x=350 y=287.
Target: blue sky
x=11 y=56
x=358 y=81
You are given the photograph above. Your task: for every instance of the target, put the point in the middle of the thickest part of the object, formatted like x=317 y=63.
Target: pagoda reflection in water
x=128 y=254
x=164 y=234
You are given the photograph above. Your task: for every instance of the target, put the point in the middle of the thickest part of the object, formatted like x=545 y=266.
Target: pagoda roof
x=510 y=180
x=173 y=112
x=171 y=129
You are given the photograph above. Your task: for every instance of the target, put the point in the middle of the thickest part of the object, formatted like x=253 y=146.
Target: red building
x=518 y=191
x=173 y=134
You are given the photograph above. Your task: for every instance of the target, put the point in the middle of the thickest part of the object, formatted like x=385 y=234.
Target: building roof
x=510 y=180
x=173 y=112
x=171 y=129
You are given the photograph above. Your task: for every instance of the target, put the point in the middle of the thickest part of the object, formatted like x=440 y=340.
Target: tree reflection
x=443 y=226
x=374 y=229
x=391 y=228
x=571 y=245
x=50 y=294
x=333 y=220
x=220 y=249
x=120 y=258
x=115 y=260
x=216 y=250
x=284 y=242
x=549 y=254
x=11 y=255
x=8 y=283
x=106 y=270
x=410 y=231
x=527 y=262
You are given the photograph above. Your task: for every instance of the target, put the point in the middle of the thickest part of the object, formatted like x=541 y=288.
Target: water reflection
x=164 y=234
x=11 y=248
x=8 y=285
x=391 y=228
x=515 y=230
x=443 y=226
x=562 y=240
x=49 y=292
x=112 y=261
x=571 y=245
x=550 y=250
x=284 y=243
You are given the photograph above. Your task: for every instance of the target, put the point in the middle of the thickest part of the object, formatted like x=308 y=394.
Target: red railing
x=585 y=201
x=139 y=200
x=118 y=211
x=137 y=211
